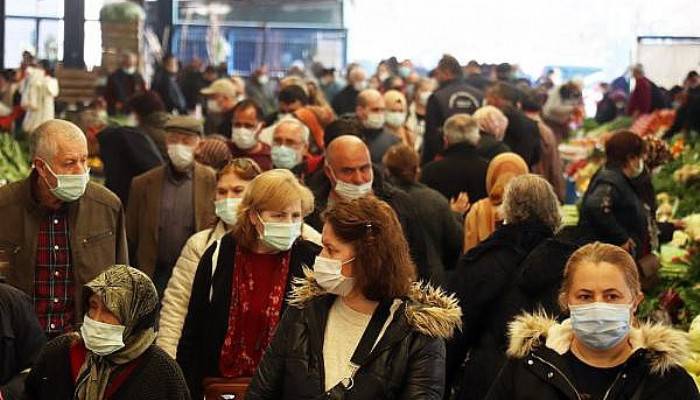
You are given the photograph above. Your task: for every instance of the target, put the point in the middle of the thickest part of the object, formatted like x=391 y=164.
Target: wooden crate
x=119 y=37
x=76 y=85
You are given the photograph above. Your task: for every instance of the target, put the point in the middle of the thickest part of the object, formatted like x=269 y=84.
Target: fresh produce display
x=692 y=364
x=121 y=12
x=14 y=163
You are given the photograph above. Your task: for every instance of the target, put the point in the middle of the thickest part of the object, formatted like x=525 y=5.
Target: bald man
x=59 y=230
x=349 y=174
x=370 y=112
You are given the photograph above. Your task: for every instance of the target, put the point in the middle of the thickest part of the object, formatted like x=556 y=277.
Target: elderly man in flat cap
x=58 y=230
x=170 y=203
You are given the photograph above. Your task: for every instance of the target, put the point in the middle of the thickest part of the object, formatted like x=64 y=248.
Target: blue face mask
x=600 y=326
x=285 y=157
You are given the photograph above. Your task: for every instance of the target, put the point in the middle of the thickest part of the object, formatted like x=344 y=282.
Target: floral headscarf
x=131 y=296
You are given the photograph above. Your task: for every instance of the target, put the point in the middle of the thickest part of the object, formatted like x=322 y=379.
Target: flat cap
x=221 y=86
x=184 y=125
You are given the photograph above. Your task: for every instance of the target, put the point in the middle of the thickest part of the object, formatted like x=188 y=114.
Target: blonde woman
x=241 y=285
x=396 y=115
x=601 y=351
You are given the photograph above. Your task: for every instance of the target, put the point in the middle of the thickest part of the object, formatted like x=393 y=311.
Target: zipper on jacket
x=578 y=396
x=607 y=392
x=97 y=237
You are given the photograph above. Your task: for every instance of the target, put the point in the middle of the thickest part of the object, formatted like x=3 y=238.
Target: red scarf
x=259 y=284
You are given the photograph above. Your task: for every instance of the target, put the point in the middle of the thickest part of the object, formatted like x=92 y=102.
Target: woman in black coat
x=485 y=274
x=611 y=208
x=242 y=283
x=601 y=351
x=359 y=328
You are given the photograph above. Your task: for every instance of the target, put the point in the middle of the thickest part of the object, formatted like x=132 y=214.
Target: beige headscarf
x=130 y=295
x=484 y=214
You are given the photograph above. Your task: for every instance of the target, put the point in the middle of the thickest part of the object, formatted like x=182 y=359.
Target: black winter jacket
x=452 y=97
x=156 y=377
x=482 y=278
x=408 y=362
x=522 y=136
x=206 y=323
x=541 y=273
x=537 y=367
x=462 y=170
x=612 y=210
x=320 y=185
x=21 y=340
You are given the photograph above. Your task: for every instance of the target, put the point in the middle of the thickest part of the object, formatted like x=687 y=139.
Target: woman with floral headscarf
x=484 y=216
x=113 y=356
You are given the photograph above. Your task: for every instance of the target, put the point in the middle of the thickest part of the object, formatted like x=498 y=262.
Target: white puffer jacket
x=176 y=298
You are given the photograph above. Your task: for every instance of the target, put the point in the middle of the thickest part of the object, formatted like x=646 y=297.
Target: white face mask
x=395 y=118
x=213 y=106
x=639 y=169
x=130 y=70
x=423 y=98
x=374 y=121
x=360 y=86
x=181 y=155
x=227 y=209
x=100 y=338
x=68 y=187
x=285 y=157
x=328 y=276
x=280 y=235
x=349 y=191
x=244 y=138
x=263 y=79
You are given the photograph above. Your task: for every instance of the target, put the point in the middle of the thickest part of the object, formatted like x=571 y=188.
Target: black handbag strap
x=369 y=337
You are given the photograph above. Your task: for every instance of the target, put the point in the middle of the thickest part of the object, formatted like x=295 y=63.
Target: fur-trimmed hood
x=667 y=347
x=429 y=310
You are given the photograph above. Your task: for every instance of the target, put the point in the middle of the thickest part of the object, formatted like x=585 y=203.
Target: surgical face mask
x=227 y=209
x=349 y=191
x=600 y=326
x=181 y=155
x=285 y=157
x=69 y=187
x=213 y=106
x=374 y=121
x=395 y=118
x=404 y=71
x=130 y=70
x=639 y=169
x=280 y=235
x=328 y=276
x=100 y=338
x=244 y=138
x=263 y=79
x=423 y=98
x=360 y=86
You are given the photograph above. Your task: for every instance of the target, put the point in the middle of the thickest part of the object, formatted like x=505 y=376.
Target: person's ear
x=329 y=173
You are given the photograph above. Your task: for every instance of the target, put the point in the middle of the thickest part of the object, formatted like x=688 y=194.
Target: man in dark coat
x=522 y=134
x=21 y=339
x=454 y=96
x=346 y=100
x=165 y=83
x=462 y=170
x=122 y=84
x=349 y=174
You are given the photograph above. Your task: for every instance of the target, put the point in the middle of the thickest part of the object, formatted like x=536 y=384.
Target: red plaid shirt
x=53 y=278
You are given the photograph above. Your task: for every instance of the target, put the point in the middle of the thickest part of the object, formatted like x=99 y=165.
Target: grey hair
x=305 y=132
x=531 y=198
x=45 y=138
x=461 y=128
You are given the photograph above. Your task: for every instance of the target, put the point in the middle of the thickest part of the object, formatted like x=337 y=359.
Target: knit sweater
x=157 y=376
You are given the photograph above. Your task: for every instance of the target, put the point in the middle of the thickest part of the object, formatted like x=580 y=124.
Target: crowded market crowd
x=386 y=234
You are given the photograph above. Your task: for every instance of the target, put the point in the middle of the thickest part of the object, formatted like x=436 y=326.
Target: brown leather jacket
x=143 y=211
x=97 y=234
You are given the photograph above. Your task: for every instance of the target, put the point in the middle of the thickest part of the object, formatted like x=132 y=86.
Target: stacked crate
x=76 y=85
x=117 y=38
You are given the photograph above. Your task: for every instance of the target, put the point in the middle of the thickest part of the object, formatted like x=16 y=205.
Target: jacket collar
x=426 y=309
x=462 y=149
x=666 y=347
